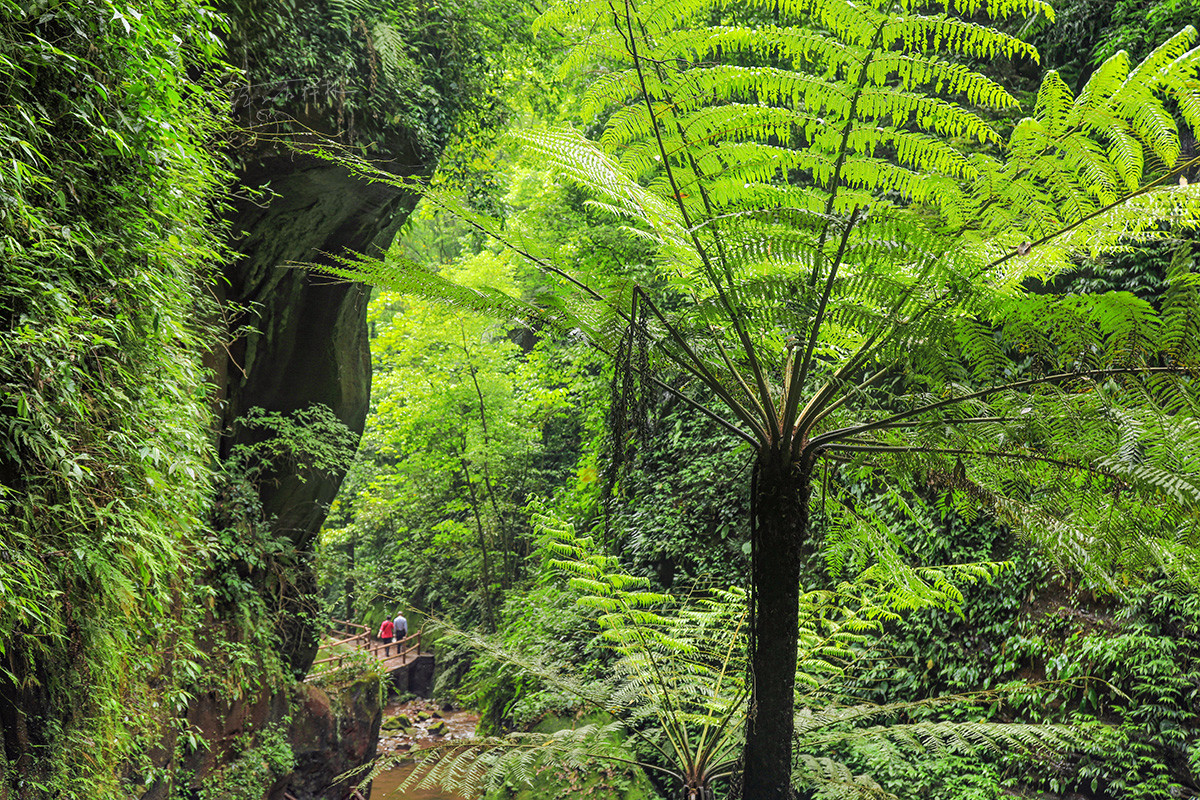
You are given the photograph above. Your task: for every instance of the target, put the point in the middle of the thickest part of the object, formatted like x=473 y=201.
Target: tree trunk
x=506 y=548
x=350 y=587
x=779 y=536
x=485 y=589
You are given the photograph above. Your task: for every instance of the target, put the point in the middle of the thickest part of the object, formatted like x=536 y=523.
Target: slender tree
x=848 y=244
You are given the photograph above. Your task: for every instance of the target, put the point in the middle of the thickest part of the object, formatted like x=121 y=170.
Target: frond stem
x=843 y=149
x=826 y=439
x=708 y=412
x=733 y=370
x=672 y=723
x=796 y=385
x=1088 y=217
x=702 y=371
x=1058 y=462
x=768 y=404
x=841 y=401
x=631 y=41
x=860 y=356
x=916 y=423
x=540 y=262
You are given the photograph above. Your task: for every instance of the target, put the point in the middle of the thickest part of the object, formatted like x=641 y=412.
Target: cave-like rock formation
x=314 y=71
x=301 y=338
x=295 y=338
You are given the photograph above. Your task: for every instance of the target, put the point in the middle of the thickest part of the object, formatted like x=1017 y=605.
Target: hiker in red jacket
x=385 y=635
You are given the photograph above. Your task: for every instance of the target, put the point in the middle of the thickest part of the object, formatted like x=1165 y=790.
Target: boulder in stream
x=397 y=722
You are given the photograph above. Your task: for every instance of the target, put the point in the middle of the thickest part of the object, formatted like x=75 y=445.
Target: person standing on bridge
x=400 y=626
x=386 y=630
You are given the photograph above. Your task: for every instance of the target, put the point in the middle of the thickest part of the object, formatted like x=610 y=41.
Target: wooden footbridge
x=409 y=665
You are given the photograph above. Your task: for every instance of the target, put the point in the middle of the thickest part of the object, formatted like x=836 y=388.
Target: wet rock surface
x=420 y=723
x=332 y=733
x=419 y=732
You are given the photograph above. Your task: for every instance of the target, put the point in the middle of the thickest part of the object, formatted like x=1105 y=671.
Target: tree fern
x=832 y=207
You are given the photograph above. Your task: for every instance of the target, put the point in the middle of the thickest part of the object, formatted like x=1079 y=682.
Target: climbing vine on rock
x=390 y=76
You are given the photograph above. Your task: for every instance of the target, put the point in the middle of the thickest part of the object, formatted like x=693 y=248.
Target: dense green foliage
x=784 y=221
x=251 y=766
x=107 y=192
x=1087 y=32
x=845 y=275
x=1064 y=653
x=668 y=674
x=132 y=564
x=466 y=428
x=396 y=78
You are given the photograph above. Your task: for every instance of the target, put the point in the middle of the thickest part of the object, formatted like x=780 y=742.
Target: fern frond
x=836 y=780
x=475 y=766
x=944 y=33
x=1181 y=308
x=963 y=738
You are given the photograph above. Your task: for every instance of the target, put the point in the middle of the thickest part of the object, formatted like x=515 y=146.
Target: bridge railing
x=362 y=641
x=347 y=628
x=409 y=645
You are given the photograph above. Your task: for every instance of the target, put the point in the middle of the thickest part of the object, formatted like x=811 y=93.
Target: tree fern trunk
x=780 y=531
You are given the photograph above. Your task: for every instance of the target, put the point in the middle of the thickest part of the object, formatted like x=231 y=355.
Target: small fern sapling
x=847 y=242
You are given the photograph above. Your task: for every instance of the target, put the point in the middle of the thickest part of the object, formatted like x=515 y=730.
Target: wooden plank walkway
x=352 y=637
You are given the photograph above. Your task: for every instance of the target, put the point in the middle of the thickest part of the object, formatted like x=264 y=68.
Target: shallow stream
x=459 y=725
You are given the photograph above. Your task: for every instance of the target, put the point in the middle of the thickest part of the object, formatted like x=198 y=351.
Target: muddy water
x=459 y=724
x=384 y=787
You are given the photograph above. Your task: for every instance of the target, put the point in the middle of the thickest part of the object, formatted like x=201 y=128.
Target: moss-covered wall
x=295 y=339
x=108 y=178
x=152 y=571
x=304 y=341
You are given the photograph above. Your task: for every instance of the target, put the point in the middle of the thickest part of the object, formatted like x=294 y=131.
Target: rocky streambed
x=410 y=725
